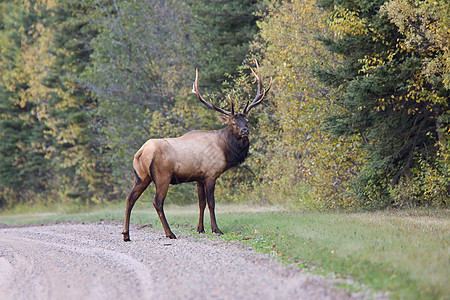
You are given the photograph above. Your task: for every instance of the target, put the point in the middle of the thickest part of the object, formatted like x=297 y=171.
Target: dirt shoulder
x=90 y=261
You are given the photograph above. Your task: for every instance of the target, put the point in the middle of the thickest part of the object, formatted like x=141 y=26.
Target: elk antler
x=210 y=105
x=232 y=105
x=259 y=96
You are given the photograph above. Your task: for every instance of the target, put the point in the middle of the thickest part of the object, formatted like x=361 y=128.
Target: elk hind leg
x=139 y=187
x=158 y=203
x=201 y=205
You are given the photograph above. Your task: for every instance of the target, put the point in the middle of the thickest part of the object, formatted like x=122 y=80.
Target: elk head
x=237 y=122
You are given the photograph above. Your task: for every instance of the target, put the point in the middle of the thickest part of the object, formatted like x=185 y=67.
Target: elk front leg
x=210 y=186
x=201 y=205
x=138 y=189
x=161 y=192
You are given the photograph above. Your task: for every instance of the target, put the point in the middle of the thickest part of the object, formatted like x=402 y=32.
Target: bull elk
x=200 y=156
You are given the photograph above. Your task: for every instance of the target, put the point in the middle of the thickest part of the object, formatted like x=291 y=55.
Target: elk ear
x=223 y=119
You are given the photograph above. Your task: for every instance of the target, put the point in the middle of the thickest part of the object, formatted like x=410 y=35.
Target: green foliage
x=140 y=75
x=84 y=124
x=222 y=32
x=50 y=154
x=425 y=27
x=146 y=64
x=24 y=169
x=385 y=100
x=296 y=162
x=358 y=115
x=77 y=153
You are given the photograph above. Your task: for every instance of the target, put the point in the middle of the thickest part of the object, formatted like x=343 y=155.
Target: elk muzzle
x=244 y=132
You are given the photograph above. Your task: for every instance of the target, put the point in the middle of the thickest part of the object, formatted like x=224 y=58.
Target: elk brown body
x=200 y=156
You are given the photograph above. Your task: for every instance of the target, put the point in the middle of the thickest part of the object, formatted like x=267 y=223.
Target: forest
x=358 y=116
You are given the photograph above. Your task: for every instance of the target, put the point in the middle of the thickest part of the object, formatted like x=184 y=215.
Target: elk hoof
x=126 y=236
x=217 y=231
x=171 y=236
x=200 y=230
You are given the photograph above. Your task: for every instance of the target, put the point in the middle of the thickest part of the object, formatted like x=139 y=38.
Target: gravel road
x=90 y=261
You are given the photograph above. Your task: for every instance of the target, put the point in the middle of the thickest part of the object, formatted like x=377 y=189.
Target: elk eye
x=233 y=123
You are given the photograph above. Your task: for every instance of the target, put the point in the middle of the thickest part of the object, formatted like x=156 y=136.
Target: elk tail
x=139 y=169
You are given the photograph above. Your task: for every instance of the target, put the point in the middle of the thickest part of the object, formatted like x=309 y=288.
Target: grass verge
x=406 y=253
x=403 y=252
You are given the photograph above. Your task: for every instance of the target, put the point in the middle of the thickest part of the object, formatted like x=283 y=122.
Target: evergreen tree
x=377 y=82
x=76 y=153
x=49 y=144
x=296 y=160
x=223 y=30
x=24 y=169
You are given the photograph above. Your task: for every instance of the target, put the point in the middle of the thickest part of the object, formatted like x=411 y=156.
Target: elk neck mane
x=235 y=149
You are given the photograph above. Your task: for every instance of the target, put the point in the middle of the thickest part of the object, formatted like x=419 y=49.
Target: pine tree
x=51 y=145
x=24 y=169
x=377 y=83
x=81 y=169
x=223 y=31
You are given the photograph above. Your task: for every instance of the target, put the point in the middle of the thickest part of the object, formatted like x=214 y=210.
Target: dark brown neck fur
x=235 y=149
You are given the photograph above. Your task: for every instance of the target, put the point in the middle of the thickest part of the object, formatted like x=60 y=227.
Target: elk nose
x=244 y=131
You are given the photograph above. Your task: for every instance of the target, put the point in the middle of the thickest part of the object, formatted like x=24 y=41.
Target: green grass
x=407 y=254
x=403 y=252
